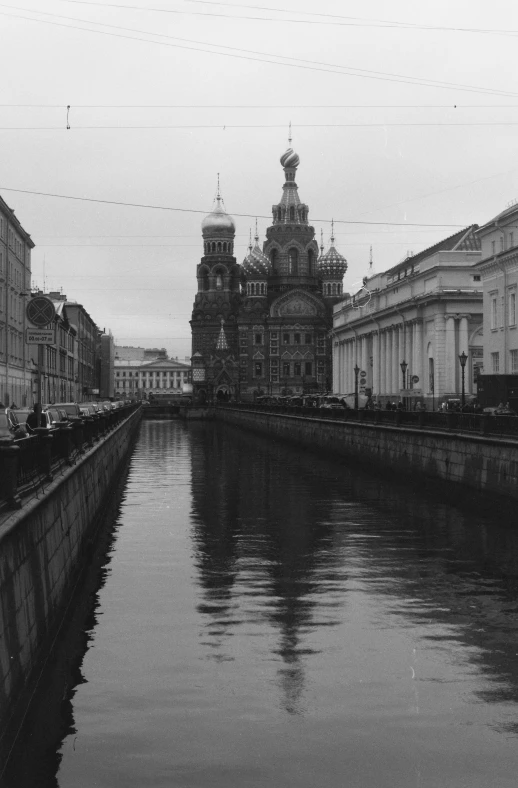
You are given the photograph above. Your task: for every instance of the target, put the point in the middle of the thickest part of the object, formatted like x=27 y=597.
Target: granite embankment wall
x=483 y=463
x=43 y=548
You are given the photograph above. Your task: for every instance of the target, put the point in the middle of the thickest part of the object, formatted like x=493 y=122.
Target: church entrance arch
x=223 y=393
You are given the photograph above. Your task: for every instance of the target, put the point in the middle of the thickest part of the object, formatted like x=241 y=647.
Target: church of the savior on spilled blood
x=262 y=327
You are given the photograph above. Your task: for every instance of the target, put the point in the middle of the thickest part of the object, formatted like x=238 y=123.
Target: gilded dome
x=290 y=159
x=218 y=222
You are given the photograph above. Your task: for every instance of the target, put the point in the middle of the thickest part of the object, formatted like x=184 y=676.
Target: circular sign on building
x=40 y=311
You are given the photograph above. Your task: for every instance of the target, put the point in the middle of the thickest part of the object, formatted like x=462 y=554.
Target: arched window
x=273 y=259
x=292 y=214
x=311 y=259
x=219 y=246
x=224 y=247
x=293 y=262
x=219 y=282
x=262 y=288
x=334 y=288
x=252 y=289
x=213 y=246
x=280 y=214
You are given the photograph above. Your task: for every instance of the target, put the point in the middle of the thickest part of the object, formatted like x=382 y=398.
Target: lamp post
x=356 y=373
x=404 y=367
x=463 y=358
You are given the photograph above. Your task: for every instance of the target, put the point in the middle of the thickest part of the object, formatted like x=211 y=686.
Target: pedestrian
x=35 y=418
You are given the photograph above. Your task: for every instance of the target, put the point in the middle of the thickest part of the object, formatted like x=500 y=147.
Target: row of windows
x=511 y=310
x=147 y=384
x=334 y=288
x=403 y=273
x=506 y=241
x=495 y=361
x=290 y=369
x=124 y=374
x=219 y=246
x=287 y=339
x=291 y=214
x=256 y=288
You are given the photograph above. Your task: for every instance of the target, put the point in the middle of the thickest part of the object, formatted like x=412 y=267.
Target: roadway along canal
x=262 y=617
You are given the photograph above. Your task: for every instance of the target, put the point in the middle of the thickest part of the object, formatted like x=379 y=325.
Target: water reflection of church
x=262 y=327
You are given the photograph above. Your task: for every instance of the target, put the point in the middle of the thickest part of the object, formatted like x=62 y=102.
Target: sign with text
x=41 y=336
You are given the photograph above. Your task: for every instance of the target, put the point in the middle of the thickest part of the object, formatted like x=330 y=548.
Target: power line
x=263 y=106
x=251 y=54
x=224 y=126
x=197 y=210
x=347 y=21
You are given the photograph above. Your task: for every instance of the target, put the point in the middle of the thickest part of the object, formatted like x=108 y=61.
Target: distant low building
x=138 y=379
x=405 y=329
x=128 y=353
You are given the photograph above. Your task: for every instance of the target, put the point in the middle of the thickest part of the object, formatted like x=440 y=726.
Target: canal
x=258 y=616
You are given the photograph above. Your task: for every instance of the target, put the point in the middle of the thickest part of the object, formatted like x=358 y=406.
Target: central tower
x=290 y=243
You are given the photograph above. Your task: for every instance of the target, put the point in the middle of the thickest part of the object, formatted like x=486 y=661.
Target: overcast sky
x=397 y=159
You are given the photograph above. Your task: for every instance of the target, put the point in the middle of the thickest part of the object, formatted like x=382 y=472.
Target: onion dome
x=218 y=222
x=290 y=159
x=332 y=264
x=256 y=264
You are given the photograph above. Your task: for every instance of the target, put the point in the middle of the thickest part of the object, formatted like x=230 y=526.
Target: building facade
x=139 y=380
x=423 y=314
x=15 y=284
x=88 y=351
x=263 y=326
x=498 y=268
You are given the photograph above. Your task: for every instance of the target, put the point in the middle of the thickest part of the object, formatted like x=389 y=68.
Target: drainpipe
x=504 y=312
x=379 y=356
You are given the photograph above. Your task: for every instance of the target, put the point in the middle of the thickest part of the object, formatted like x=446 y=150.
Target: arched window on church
x=219 y=246
x=219 y=282
x=252 y=289
x=311 y=261
x=293 y=262
x=224 y=246
x=334 y=288
x=273 y=259
x=292 y=214
x=262 y=288
x=213 y=246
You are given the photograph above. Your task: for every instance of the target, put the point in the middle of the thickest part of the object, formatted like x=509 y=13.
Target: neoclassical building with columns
x=423 y=314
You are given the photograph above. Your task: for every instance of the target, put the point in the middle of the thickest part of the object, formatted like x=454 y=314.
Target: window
x=258 y=369
x=476 y=278
x=511 y=239
x=286 y=369
x=512 y=308
x=495 y=362
x=308 y=368
x=297 y=369
x=310 y=260
x=296 y=339
x=494 y=313
x=514 y=360
x=273 y=257
x=293 y=262
x=307 y=339
x=493 y=247
x=258 y=339
x=285 y=339
x=502 y=243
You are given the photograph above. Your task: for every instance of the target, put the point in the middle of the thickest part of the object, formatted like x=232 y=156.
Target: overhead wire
x=198 y=210
x=347 y=21
x=300 y=63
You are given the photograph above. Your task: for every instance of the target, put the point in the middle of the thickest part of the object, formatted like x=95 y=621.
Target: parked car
x=70 y=408
x=12 y=424
x=59 y=415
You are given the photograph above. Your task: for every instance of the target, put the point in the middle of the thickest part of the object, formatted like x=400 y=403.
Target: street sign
x=40 y=311
x=41 y=336
x=415 y=379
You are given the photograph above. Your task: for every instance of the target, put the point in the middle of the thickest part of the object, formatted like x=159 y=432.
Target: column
x=418 y=355
x=364 y=366
x=463 y=335
x=383 y=363
x=376 y=362
x=450 y=360
x=396 y=383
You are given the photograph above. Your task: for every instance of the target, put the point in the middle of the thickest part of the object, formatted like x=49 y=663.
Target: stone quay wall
x=484 y=463
x=43 y=548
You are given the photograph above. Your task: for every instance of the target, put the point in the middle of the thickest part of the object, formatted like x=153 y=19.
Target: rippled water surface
x=268 y=618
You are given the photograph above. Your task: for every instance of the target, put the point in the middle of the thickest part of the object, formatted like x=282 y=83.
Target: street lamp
x=356 y=373
x=463 y=358
x=404 y=367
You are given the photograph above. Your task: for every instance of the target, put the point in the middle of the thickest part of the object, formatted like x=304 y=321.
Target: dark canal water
x=264 y=617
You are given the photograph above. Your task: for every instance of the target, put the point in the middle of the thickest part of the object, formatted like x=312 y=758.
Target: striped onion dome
x=332 y=264
x=256 y=263
x=290 y=159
